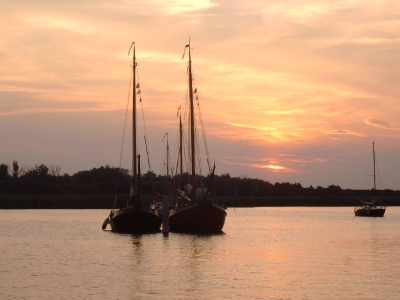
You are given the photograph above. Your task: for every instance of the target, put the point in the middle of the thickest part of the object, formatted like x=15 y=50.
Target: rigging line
x=198 y=150
x=378 y=171
x=123 y=133
x=177 y=165
x=204 y=135
x=177 y=149
x=126 y=117
x=368 y=165
x=143 y=121
x=145 y=136
x=201 y=123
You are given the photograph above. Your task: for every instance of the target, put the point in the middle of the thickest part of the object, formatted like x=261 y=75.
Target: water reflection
x=178 y=263
x=280 y=253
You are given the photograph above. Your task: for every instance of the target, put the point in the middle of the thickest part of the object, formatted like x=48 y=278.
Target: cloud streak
x=343 y=132
x=382 y=124
x=273 y=168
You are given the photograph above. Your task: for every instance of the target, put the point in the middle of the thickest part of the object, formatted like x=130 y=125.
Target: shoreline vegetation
x=42 y=187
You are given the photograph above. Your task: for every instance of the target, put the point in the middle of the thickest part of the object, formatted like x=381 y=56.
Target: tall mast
x=192 y=121
x=373 y=154
x=166 y=135
x=167 y=157
x=134 y=155
x=180 y=144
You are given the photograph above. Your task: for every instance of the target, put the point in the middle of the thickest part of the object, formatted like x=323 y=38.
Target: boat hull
x=197 y=218
x=369 y=211
x=135 y=220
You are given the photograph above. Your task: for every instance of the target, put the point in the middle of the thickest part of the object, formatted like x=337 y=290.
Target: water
x=265 y=253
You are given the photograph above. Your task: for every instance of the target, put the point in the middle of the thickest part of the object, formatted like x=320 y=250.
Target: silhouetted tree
x=15 y=169
x=4 y=175
x=38 y=172
x=55 y=170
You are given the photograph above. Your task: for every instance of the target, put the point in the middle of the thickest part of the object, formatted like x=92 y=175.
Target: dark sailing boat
x=134 y=218
x=198 y=214
x=370 y=208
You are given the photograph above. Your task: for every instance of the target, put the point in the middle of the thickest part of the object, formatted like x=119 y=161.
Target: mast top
x=132 y=45
x=184 y=51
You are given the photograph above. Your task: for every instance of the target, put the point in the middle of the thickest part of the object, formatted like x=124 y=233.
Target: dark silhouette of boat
x=134 y=218
x=370 y=208
x=194 y=212
x=197 y=218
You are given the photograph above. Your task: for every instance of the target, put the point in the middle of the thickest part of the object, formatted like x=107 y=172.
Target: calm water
x=265 y=253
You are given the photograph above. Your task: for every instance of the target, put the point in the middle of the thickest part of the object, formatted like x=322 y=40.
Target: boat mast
x=180 y=145
x=166 y=135
x=192 y=138
x=134 y=155
x=373 y=154
x=138 y=177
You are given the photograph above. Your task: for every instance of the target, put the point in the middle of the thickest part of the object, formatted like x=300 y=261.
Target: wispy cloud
x=343 y=132
x=289 y=163
x=51 y=110
x=180 y=6
x=382 y=124
x=273 y=168
x=60 y=23
x=251 y=127
x=303 y=161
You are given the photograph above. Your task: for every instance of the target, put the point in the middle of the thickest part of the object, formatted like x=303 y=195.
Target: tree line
x=106 y=180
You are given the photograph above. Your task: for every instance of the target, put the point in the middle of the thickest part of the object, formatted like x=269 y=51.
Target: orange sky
x=289 y=91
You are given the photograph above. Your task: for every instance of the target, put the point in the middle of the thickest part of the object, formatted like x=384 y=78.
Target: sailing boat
x=134 y=218
x=198 y=215
x=369 y=209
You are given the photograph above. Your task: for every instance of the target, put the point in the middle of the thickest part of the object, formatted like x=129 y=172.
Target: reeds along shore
x=107 y=201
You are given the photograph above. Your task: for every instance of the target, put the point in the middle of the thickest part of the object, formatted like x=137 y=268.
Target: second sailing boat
x=196 y=213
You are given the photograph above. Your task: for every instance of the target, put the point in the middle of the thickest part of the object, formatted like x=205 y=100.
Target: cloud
x=382 y=124
x=274 y=168
x=51 y=111
x=343 y=132
x=24 y=103
x=251 y=127
x=63 y=23
x=180 y=6
x=306 y=160
x=275 y=164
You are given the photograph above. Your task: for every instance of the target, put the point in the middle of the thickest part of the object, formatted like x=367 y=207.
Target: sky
x=290 y=91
